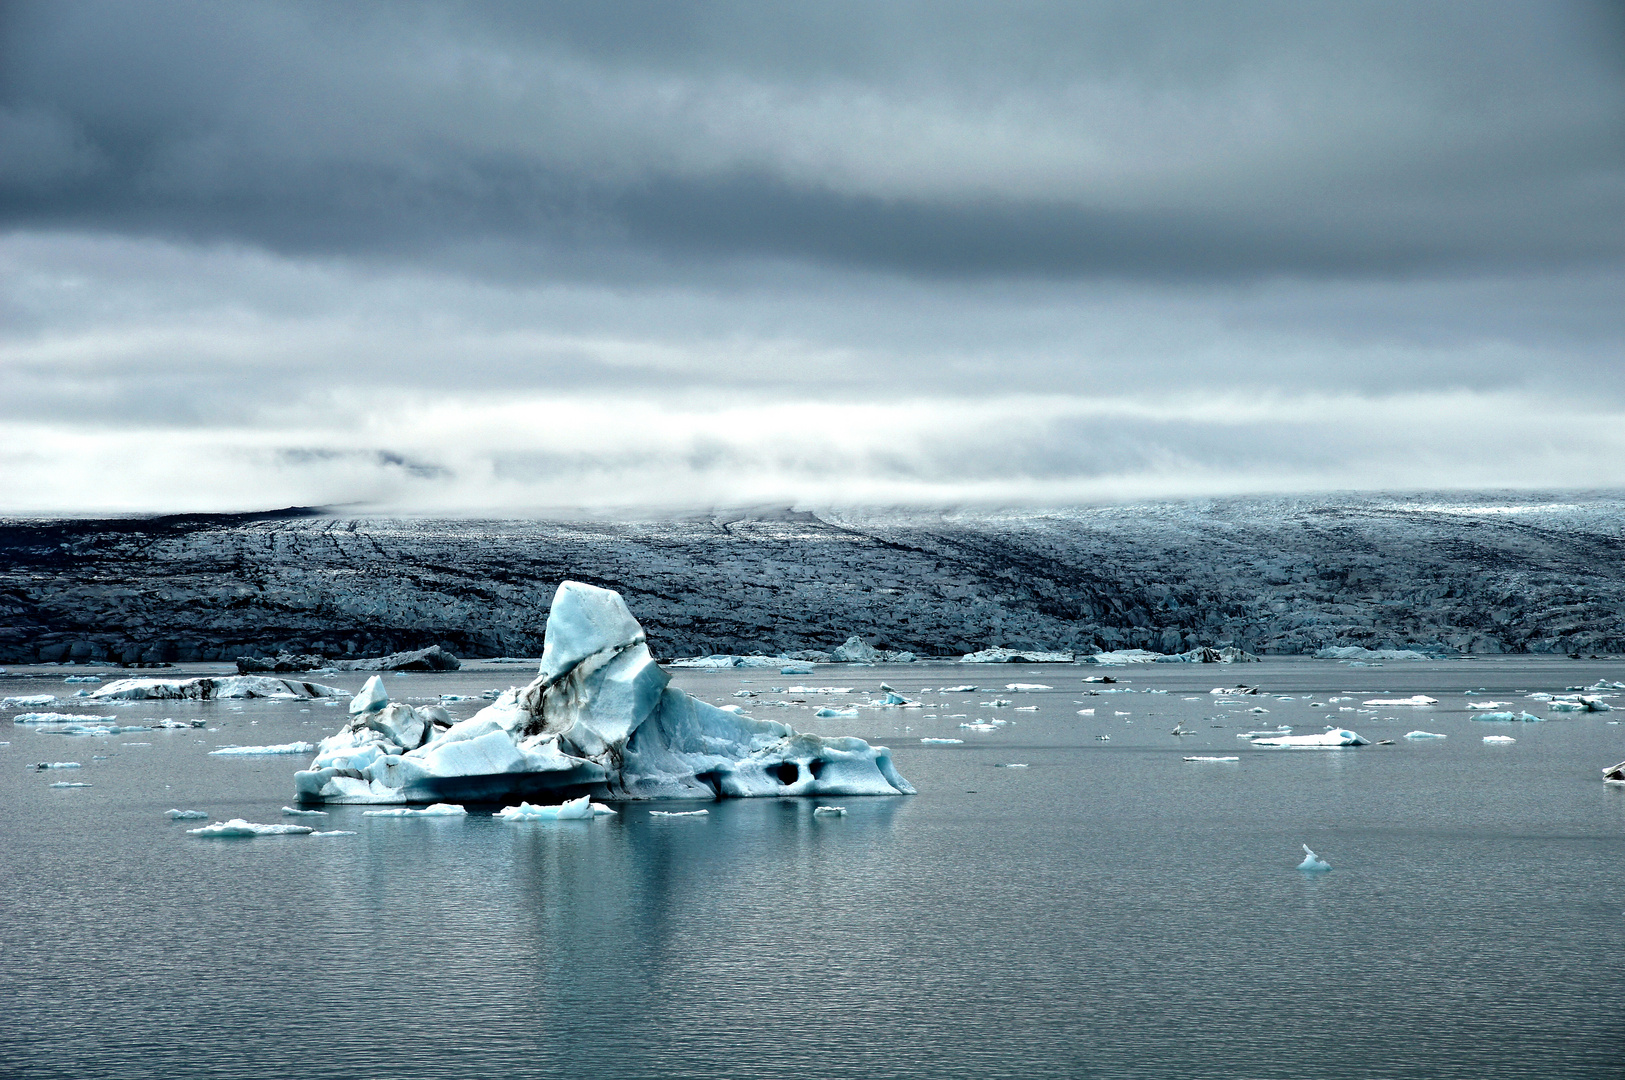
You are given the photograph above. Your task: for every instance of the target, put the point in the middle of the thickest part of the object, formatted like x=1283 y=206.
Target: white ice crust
x=599 y=719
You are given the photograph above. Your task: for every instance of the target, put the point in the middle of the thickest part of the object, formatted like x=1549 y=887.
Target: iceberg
x=437 y=810
x=1205 y=654
x=600 y=719
x=28 y=699
x=943 y=742
x=829 y=811
x=827 y=713
x=1503 y=717
x=1579 y=703
x=582 y=809
x=294 y=811
x=1120 y=657
x=1424 y=735
x=1615 y=774
x=857 y=651
x=206 y=689
x=1335 y=737
x=83 y=679
x=1487 y=705
x=1313 y=863
x=57 y=718
x=1017 y=656
x=1499 y=739
x=1202 y=758
x=1027 y=686
x=1355 y=652
x=237 y=827
x=58 y=765
x=679 y=813
x=279 y=748
x=719 y=661
x=186 y=815
x=1417 y=700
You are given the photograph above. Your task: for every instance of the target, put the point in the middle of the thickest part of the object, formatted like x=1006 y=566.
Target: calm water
x=1109 y=911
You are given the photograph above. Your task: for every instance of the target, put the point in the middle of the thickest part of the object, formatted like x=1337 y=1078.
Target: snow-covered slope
x=1287 y=575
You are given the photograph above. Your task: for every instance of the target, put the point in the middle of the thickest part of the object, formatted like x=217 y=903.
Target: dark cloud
x=940 y=140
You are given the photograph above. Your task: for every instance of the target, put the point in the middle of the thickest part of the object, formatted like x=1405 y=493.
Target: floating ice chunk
x=1121 y=657
x=1355 y=652
x=829 y=811
x=278 y=748
x=83 y=679
x=437 y=810
x=572 y=810
x=957 y=690
x=1017 y=656
x=1504 y=717
x=207 y=689
x=1200 y=757
x=1335 y=737
x=1027 y=686
x=1026 y=708
x=1424 y=735
x=943 y=742
x=20 y=700
x=68 y=783
x=828 y=713
x=1312 y=863
x=1499 y=739
x=998 y=703
x=819 y=690
x=237 y=827
x=795 y=670
x=1486 y=706
x=294 y=811
x=679 y=813
x=600 y=810
x=980 y=727
x=58 y=765
x=1614 y=774
x=1013 y=765
x=186 y=815
x=1233 y=691
x=1086 y=712
x=333 y=832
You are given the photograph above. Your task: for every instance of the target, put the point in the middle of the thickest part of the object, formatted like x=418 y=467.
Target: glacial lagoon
x=1109 y=908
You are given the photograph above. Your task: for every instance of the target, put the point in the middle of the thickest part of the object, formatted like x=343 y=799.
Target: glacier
x=600 y=719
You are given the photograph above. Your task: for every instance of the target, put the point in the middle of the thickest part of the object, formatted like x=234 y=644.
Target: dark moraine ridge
x=1448 y=573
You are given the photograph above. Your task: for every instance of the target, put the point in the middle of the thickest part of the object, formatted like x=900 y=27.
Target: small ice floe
x=294 y=811
x=82 y=679
x=1027 y=686
x=818 y=690
x=1499 y=739
x=186 y=815
x=438 y=809
x=1424 y=735
x=68 y=783
x=581 y=809
x=943 y=742
x=679 y=813
x=237 y=827
x=795 y=671
x=447 y=698
x=167 y=724
x=279 y=748
x=980 y=727
x=1506 y=717
x=1487 y=706
x=1086 y=712
x=827 y=713
x=1579 y=703
x=958 y=690
x=997 y=703
x=1181 y=729
x=1614 y=775
x=1259 y=709
x=1417 y=700
x=737 y=710
x=1283 y=729
x=58 y=718
x=894 y=698
x=1026 y=708
x=1312 y=863
x=1012 y=765
x=829 y=811
x=21 y=700
x=1334 y=737
x=56 y=765
x=1103 y=738
x=333 y=832
x=1201 y=757
x=1233 y=690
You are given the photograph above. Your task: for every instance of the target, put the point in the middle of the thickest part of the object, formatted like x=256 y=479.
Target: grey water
x=1110 y=910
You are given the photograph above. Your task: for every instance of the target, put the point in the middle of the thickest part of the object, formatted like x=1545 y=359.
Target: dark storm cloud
x=1051 y=140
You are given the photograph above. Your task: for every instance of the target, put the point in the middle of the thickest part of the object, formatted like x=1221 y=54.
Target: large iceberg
x=600 y=719
x=204 y=689
x=1017 y=656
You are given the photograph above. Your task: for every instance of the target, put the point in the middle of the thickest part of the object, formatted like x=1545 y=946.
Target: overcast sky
x=507 y=257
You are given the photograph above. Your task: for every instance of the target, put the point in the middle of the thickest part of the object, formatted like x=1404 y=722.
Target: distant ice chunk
x=1122 y=657
x=207 y=689
x=83 y=679
x=1017 y=656
x=1027 y=686
x=1335 y=737
x=333 y=832
x=1486 y=706
x=239 y=828
x=58 y=718
x=294 y=811
x=1424 y=735
x=58 y=765
x=186 y=815
x=1414 y=700
x=18 y=701
x=943 y=742
x=1086 y=712
x=1614 y=774
x=1313 y=863
x=679 y=813
x=278 y=748
x=1499 y=739
x=1504 y=717
x=722 y=661
x=1200 y=757
x=572 y=810
x=1355 y=652
x=437 y=810
x=829 y=811
x=828 y=713
x=68 y=784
